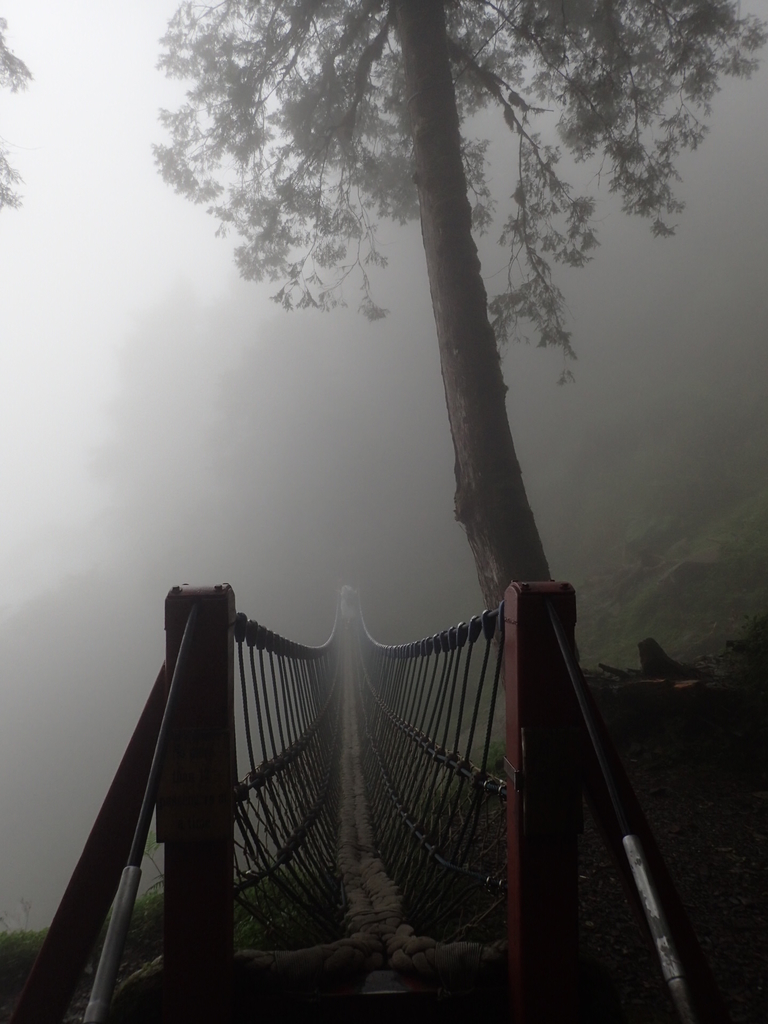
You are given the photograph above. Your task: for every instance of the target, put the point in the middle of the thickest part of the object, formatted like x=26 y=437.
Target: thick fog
x=163 y=422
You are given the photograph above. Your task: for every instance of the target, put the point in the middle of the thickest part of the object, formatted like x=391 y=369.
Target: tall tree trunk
x=491 y=502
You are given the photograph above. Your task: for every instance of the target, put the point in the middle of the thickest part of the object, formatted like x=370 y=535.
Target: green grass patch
x=496 y=752
x=18 y=950
x=145 y=935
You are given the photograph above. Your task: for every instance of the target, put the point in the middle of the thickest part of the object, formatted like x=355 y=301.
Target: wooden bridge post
x=544 y=807
x=195 y=813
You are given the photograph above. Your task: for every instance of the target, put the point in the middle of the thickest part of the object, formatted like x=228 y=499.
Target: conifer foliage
x=307 y=122
x=14 y=75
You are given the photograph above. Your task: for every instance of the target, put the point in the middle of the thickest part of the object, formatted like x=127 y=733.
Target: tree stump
x=656 y=664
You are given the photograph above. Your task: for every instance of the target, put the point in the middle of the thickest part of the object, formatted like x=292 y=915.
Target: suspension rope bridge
x=395 y=819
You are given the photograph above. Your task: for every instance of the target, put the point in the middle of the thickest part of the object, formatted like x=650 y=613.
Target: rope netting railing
x=350 y=851
x=286 y=802
x=433 y=719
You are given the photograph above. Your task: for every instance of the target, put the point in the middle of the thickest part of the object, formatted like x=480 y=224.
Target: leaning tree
x=307 y=121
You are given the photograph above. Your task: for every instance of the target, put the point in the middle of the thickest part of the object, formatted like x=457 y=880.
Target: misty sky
x=162 y=422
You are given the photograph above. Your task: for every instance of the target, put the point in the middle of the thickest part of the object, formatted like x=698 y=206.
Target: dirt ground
x=712 y=828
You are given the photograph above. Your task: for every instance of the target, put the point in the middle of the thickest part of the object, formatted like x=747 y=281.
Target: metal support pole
x=544 y=807
x=195 y=814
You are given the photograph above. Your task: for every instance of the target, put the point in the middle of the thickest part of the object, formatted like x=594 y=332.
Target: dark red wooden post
x=195 y=813
x=544 y=807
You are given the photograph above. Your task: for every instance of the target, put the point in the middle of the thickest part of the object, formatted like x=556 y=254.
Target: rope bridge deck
x=388 y=818
x=341 y=838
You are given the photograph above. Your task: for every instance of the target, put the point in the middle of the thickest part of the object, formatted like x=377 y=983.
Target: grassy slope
x=691 y=600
